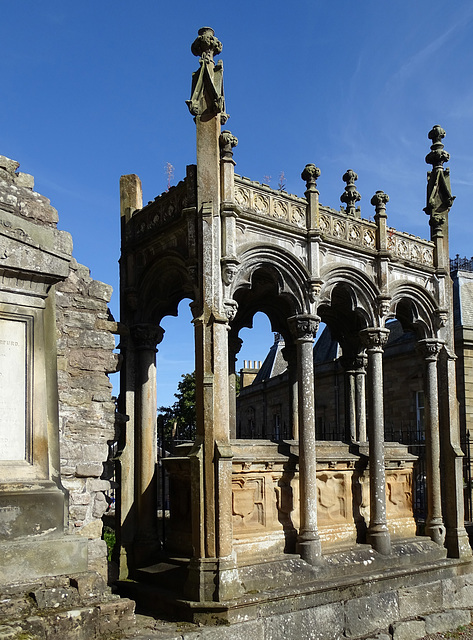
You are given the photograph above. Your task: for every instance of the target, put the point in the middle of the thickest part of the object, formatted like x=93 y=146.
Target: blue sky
x=94 y=90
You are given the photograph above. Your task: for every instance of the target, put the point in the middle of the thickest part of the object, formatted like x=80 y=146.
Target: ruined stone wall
x=86 y=410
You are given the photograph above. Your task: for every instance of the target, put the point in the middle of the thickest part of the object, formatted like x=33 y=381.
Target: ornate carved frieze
x=261 y=200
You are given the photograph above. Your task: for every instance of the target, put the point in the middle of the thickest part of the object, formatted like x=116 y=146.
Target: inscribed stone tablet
x=12 y=390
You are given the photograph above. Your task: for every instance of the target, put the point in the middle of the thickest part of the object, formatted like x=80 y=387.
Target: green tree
x=178 y=422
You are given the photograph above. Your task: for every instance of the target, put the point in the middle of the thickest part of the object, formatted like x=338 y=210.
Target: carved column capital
x=429 y=349
x=304 y=327
x=226 y=142
x=310 y=174
x=374 y=339
x=146 y=336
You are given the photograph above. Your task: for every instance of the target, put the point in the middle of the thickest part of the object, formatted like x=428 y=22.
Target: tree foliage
x=178 y=422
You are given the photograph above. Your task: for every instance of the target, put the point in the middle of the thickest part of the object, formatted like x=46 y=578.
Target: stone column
x=234 y=346
x=377 y=534
x=304 y=328
x=145 y=338
x=360 y=377
x=290 y=355
x=434 y=528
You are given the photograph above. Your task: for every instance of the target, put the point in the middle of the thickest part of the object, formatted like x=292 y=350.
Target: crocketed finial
x=350 y=196
x=439 y=194
x=310 y=174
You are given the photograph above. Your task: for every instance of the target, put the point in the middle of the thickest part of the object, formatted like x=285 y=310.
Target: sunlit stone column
x=378 y=533
x=434 y=528
x=360 y=377
x=234 y=346
x=304 y=328
x=145 y=338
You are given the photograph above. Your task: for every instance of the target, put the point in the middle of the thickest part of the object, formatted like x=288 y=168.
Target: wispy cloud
x=412 y=64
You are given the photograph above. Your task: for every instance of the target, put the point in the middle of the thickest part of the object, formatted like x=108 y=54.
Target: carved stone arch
x=415 y=309
x=271 y=281
x=164 y=284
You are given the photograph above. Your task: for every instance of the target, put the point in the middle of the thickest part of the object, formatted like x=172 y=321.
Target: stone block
x=89 y=469
x=100 y=290
x=55 y=598
x=367 y=614
x=42 y=557
x=253 y=629
x=75 y=624
x=447 y=621
x=24 y=180
x=408 y=630
x=420 y=600
x=116 y=615
x=90 y=585
x=91 y=530
x=458 y=592
x=320 y=623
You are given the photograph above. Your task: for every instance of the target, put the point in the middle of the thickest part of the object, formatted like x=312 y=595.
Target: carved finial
x=439 y=194
x=350 y=196
x=206 y=45
x=310 y=174
x=379 y=201
x=227 y=141
x=207 y=82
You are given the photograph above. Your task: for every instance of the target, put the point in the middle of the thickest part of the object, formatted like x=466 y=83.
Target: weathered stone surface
x=365 y=615
x=323 y=623
x=458 y=592
x=55 y=598
x=116 y=615
x=408 y=630
x=420 y=600
x=446 y=621
x=89 y=469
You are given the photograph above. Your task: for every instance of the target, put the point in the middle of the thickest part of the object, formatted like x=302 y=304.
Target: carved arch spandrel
x=416 y=309
x=163 y=285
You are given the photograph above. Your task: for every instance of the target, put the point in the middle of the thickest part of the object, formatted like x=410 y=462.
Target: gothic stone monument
x=280 y=536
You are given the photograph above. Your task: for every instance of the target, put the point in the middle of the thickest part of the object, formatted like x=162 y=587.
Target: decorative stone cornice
x=227 y=141
x=310 y=175
x=304 y=327
x=350 y=195
x=379 y=201
x=146 y=336
x=374 y=339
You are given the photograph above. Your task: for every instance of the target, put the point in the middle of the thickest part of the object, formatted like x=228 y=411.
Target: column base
x=379 y=538
x=436 y=531
x=457 y=543
x=309 y=548
x=212 y=580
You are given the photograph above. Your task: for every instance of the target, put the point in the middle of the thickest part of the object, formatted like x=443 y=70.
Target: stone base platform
x=80 y=607
x=352 y=594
